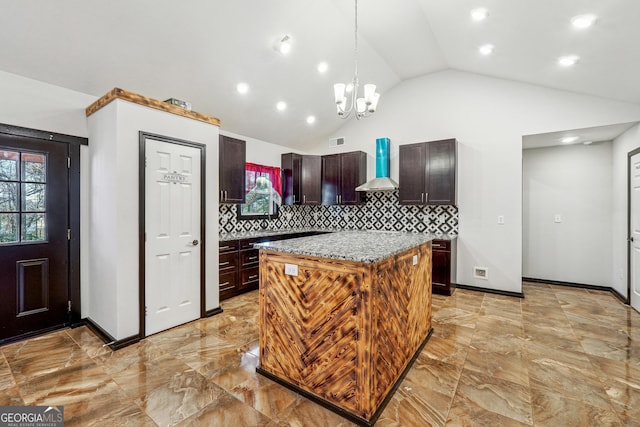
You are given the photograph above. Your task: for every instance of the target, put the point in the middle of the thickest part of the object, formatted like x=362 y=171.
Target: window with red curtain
x=254 y=171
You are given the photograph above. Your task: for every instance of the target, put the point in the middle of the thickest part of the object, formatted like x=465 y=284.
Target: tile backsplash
x=380 y=212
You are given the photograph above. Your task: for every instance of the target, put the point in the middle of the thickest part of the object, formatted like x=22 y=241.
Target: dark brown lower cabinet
x=238 y=264
x=444 y=266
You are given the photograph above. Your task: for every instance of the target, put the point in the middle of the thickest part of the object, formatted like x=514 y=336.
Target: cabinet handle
x=341 y=198
x=225 y=195
x=224 y=263
x=337 y=200
x=253 y=276
x=224 y=247
x=304 y=198
x=253 y=257
x=224 y=284
x=421 y=197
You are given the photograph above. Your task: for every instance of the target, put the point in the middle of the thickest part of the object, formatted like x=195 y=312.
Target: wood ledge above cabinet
x=117 y=93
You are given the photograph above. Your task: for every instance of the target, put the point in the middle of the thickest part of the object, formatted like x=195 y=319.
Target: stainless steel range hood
x=381 y=182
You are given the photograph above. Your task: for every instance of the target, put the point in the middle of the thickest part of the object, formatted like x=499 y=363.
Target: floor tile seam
x=94 y=358
x=583 y=402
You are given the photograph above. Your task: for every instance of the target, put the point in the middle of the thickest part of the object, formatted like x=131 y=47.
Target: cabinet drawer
x=249 y=258
x=228 y=246
x=249 y=277
x=228 y=281
x=228 y=262
x=441 y=245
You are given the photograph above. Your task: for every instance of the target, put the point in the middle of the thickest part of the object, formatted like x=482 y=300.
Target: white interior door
x=634 y=203
x=172 y=225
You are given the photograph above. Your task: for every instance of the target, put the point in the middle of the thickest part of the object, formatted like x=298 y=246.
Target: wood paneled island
x=343 y=316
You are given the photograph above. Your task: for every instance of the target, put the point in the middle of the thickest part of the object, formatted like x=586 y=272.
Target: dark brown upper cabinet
x=301 y=179
x=427 y=173
x=341 y=174
x=232 y=159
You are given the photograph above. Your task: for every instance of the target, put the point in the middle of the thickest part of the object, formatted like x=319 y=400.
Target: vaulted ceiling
x=199 y=50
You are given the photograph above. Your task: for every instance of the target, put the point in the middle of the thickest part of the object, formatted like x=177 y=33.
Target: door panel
x=173 y=235
x=34 y=192
x=635 y=231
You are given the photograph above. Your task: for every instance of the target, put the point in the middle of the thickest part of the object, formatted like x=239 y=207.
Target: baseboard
x=107 y=338
x=213 y=312
x=579 y=285
x=490 y=291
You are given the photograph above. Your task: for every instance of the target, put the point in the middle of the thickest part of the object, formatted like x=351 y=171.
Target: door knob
x=195 y=243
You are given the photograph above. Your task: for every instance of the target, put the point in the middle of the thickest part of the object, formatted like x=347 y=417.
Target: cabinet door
x=441 y=270
x=291 y=173
x=311 y=180
x=331 y=179
x=441 y=172
x=353 y=170
x=412 y=174
x=232 y=159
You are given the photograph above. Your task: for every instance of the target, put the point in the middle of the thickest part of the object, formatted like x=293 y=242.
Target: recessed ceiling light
x=323 y=67
x=285 y=44
x=479 y=14
x=568 y=61
x=569 y=139
x=311 y=120
x=583 y=21
x=281 y=106
x=486 y=49
x=242 y=88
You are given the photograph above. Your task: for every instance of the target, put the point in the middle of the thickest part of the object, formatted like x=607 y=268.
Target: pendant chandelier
x=347 y=98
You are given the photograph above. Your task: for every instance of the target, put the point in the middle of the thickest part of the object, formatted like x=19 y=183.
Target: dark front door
x=34 y=210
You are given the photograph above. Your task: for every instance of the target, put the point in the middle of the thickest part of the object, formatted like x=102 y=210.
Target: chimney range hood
x=381 y=182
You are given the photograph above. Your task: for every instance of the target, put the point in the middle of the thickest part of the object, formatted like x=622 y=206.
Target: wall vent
x=481 y=273
x=336 y=142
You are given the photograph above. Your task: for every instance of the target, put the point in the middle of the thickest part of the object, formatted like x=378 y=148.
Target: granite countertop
x=225 y=237
x=356 y=246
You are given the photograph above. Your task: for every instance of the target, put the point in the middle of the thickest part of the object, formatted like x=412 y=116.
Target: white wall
x=113 y=131
x=574 y=182
x=37 y=105
x=488 y=116
x=622 y=145
x=262 y=152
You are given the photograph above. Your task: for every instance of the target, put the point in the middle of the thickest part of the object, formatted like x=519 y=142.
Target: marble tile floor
x=560 y=357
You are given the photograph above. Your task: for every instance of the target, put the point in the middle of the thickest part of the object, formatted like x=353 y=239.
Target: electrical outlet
x=557 y=218
x=415 y=259
x=291 y=269
x=501 y=219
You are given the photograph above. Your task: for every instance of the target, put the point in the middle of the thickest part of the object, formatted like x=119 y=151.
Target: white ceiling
x=198 y=50
x=589 y=135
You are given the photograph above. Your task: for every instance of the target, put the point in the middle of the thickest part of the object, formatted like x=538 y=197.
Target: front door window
x=23 y=192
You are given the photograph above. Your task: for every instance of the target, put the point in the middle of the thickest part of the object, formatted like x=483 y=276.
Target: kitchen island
x=343 y=316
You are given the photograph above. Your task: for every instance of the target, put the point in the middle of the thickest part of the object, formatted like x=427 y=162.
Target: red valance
x=253 y=171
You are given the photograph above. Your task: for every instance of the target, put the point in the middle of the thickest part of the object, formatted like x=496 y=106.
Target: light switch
x=501 y=219
x=415 y=259
x=557 y=218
